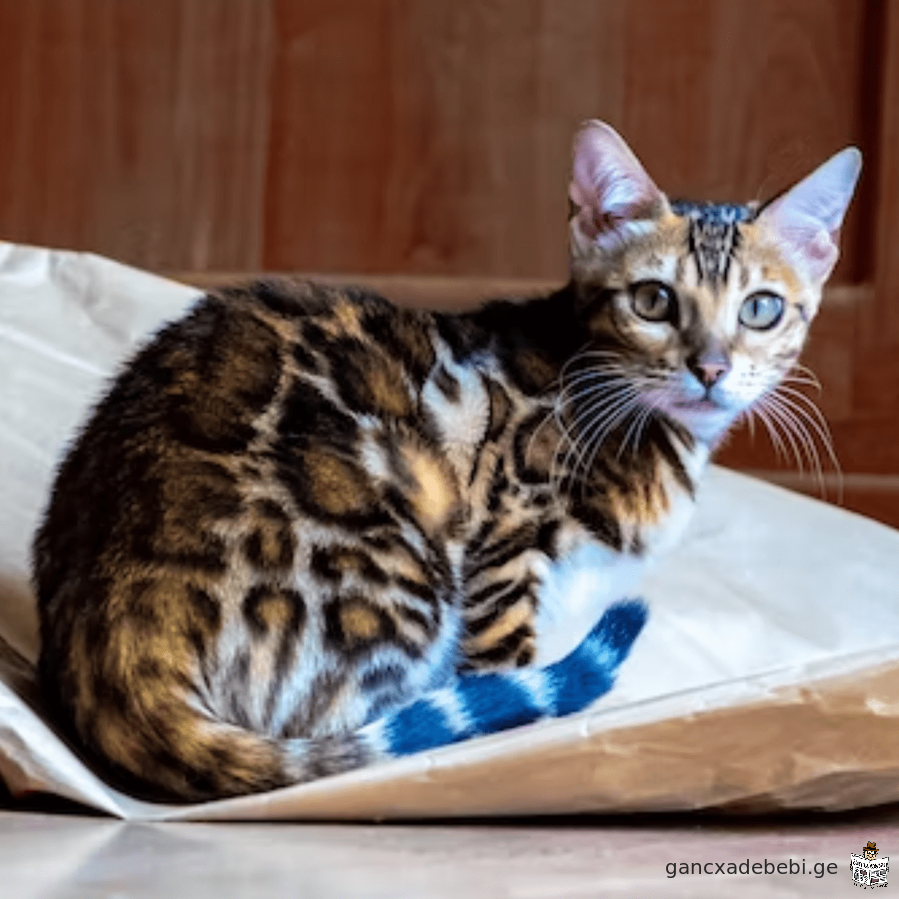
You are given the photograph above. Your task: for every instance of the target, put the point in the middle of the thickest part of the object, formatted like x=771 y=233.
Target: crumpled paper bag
x=767 y=676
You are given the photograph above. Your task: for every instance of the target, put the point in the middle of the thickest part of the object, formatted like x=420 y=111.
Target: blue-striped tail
x=479 y=704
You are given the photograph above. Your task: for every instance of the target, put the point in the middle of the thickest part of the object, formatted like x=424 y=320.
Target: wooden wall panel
x=138 y=130
x=397 y=135
x=883 y=326
x=738 y=100
x=854 y=345
x=427 y=137
x=413 y=136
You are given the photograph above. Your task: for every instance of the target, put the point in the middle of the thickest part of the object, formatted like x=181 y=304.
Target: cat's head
x=700 y=308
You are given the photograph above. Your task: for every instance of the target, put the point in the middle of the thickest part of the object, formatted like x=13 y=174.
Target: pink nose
x=710 y=373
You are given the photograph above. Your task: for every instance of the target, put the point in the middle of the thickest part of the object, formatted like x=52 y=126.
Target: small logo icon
x=867 y=869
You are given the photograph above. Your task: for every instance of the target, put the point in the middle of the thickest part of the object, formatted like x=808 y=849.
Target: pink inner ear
x=822 y=248
x=807 y=238
x=808 y=217
x=609 y=184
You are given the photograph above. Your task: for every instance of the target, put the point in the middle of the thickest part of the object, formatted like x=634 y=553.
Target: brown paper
x=767 y=676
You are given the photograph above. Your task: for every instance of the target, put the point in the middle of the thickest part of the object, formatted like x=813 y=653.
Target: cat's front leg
x=534 y=607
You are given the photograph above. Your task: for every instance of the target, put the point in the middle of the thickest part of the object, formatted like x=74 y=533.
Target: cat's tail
x=480 y=704
x=213 y=759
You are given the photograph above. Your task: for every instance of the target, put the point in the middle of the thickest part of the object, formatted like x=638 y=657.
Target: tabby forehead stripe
x=714 y=236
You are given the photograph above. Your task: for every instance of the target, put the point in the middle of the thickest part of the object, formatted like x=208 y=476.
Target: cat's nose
x=709 y=373
x=709 y=368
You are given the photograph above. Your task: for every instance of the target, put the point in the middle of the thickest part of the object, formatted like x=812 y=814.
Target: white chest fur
x=574 y=593
x=589 y=576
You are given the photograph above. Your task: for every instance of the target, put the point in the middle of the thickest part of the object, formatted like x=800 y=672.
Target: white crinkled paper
x=767 y=675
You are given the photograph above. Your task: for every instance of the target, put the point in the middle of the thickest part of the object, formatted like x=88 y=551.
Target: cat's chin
x=707 y=421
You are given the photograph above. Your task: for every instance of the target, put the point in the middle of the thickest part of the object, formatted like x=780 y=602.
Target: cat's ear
x=609 y=186
x=808 y=217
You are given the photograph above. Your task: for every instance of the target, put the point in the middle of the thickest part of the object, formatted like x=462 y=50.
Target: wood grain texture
x=398 y=135
x=138 y=130
x=884 y=320
x=411 y=136
x=417 y=137
x=410 y=139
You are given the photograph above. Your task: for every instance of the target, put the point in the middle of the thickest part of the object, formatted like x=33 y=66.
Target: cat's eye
x=761 y=311
x=654 y=301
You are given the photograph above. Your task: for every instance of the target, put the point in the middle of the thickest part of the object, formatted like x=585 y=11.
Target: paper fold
x=767 y=676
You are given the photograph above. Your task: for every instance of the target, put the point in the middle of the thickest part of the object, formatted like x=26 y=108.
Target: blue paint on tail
x=589 y=671
x=479 y=704
x=496 y=702
x=419 y=726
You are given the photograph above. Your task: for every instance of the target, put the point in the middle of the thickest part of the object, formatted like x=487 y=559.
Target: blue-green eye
x=761 y=311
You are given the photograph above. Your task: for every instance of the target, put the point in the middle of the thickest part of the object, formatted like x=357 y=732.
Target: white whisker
x=748 y=416
x=636 y=428
x=602 y=416
x=621 y=413
x=805 y=371
x=792 y=419
x=768 y=419
x=810 y=414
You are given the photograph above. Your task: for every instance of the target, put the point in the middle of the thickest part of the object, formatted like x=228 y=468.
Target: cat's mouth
x=706 y=417
x=703 y=404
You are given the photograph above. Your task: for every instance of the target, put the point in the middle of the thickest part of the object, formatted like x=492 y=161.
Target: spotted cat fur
x=306 y=529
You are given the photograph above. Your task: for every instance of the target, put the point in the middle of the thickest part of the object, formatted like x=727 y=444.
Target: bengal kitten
x=307 y=530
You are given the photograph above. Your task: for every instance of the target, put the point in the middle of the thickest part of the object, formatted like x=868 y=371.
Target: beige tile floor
x=65 y=856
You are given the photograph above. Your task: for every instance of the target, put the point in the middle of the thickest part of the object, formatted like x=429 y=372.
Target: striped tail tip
x=589 y=671
x=480 y=704
x=619 y=628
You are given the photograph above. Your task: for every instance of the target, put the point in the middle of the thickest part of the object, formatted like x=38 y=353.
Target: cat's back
x=247 y=372
x=227 y=431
